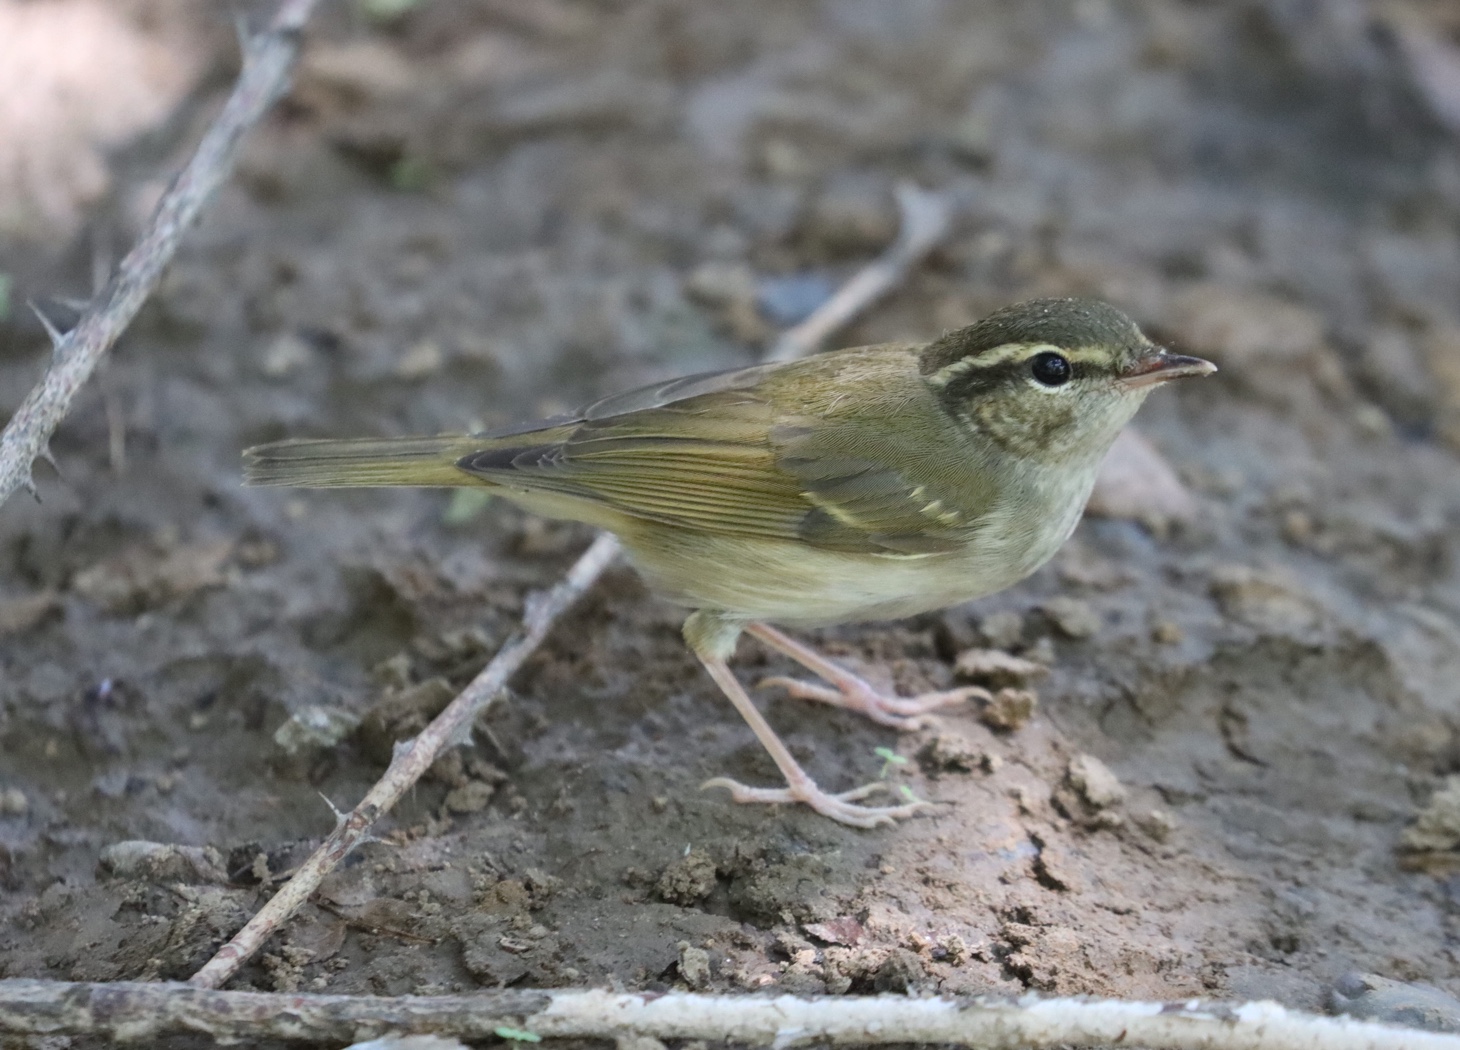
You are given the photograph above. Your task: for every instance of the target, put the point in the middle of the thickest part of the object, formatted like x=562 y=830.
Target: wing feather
x=710 y=452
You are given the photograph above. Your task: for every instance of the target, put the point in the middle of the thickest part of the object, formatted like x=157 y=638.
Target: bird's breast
x=799 y=585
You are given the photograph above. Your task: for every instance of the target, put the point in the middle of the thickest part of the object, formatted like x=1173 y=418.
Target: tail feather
x=361 y=462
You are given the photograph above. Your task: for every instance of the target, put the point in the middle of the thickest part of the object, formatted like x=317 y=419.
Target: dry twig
x=926 y=222
x=410 y=762
x=267 y=61
x=926 y=219
x=129 y=1011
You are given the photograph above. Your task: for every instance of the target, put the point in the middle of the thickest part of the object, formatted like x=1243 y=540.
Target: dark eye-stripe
x=1050 y=369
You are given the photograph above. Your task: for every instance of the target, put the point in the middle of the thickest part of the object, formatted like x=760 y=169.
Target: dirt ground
x=483 y=211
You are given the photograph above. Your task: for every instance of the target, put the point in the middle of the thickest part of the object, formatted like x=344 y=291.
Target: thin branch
x=267 y=62
x=453 y=723
x=134 y=1011
x=926 y=219
x=411 y=762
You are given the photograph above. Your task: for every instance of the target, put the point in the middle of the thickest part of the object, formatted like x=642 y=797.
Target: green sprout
x=410 y=174
x=889 y=758
x=908 y=793
x=5 y=285
x=465 y=504
x=517 y=1035
x=386 y=10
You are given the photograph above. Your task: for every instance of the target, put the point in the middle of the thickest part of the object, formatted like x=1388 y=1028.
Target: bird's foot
x=840 y=807
x=900 y=712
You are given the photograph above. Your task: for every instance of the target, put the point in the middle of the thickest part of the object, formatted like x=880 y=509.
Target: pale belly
x=801 y=586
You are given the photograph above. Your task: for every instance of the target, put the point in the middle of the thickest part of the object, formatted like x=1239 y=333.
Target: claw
x=897 y=711
x=840 y=807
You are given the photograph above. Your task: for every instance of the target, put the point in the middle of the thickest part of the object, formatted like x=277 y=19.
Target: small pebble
x=688 y=880
x=1094 y=781
x=951 y=753
x=1297 y=527
x=1009 y=709
x=1269 y=601
x=285 y=356
x=996 y=667
x=421 y=360
x=1157 y=823
x=1371 y=421
x=471 y=797
x=1073 y=617
x=315 y=728
x=13 y=803
x=1436 y=828
x=1041 y=651
x=1002 y=630
x=852 y=216
x=162 y=862
x=694 y=965
x=721 y=283
x=1167 y=632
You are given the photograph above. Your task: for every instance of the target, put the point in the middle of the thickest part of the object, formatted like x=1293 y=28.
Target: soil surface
x=486 y=211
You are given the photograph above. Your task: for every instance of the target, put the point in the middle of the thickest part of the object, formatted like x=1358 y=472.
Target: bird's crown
x=1052 y=379
x=1087 y=330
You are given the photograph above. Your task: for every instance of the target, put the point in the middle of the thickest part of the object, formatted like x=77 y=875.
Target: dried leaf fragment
x=844 y=930
x=163 y=862
x=1009 y=709
x=1072 y=616
x=996 y=668
x=21 y=614
x=1436 y=829
x=1095 y=782
x=142 y=577
x=1264 y=600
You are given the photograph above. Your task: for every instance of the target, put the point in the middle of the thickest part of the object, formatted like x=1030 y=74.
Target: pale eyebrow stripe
x=985 y=359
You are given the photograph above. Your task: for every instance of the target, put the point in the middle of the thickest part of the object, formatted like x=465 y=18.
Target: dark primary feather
x=357 y=462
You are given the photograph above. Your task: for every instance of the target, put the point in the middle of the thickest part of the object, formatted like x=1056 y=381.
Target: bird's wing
x=712 y=453
x=873 y=492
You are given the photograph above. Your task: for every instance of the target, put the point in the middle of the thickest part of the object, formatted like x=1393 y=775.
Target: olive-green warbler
x=863 y=484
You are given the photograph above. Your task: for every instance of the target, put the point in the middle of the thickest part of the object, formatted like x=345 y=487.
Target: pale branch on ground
x=410 y=763
x=268 y=60
x=927 y=217
x=926 y=220
x=134 y=1011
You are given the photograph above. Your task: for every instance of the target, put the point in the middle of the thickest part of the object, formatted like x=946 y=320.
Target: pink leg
x=848 y=691
x=799 y=785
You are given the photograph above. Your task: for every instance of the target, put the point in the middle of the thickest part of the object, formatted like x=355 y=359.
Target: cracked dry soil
x=486 y=211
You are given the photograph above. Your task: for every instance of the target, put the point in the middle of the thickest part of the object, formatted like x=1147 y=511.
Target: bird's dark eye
x=1050 y=369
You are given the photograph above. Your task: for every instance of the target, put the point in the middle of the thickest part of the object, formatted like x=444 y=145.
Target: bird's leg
x=849 y=691
x=713 y=640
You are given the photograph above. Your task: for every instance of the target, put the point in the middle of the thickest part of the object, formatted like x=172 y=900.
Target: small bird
x=864 y=484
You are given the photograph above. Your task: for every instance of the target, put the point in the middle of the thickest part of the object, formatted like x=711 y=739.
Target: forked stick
x=135 y=1011
x=268 y=59
x=925 y=221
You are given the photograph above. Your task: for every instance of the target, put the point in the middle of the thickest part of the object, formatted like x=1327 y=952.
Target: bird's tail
x=361 y=462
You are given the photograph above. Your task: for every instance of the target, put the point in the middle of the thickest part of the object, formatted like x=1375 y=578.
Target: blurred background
x=473 y=211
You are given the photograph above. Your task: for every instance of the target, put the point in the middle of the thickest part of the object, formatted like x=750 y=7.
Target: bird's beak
x=1160 y=367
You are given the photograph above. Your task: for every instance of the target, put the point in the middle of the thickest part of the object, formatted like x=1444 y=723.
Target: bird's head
x=1051 y=379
